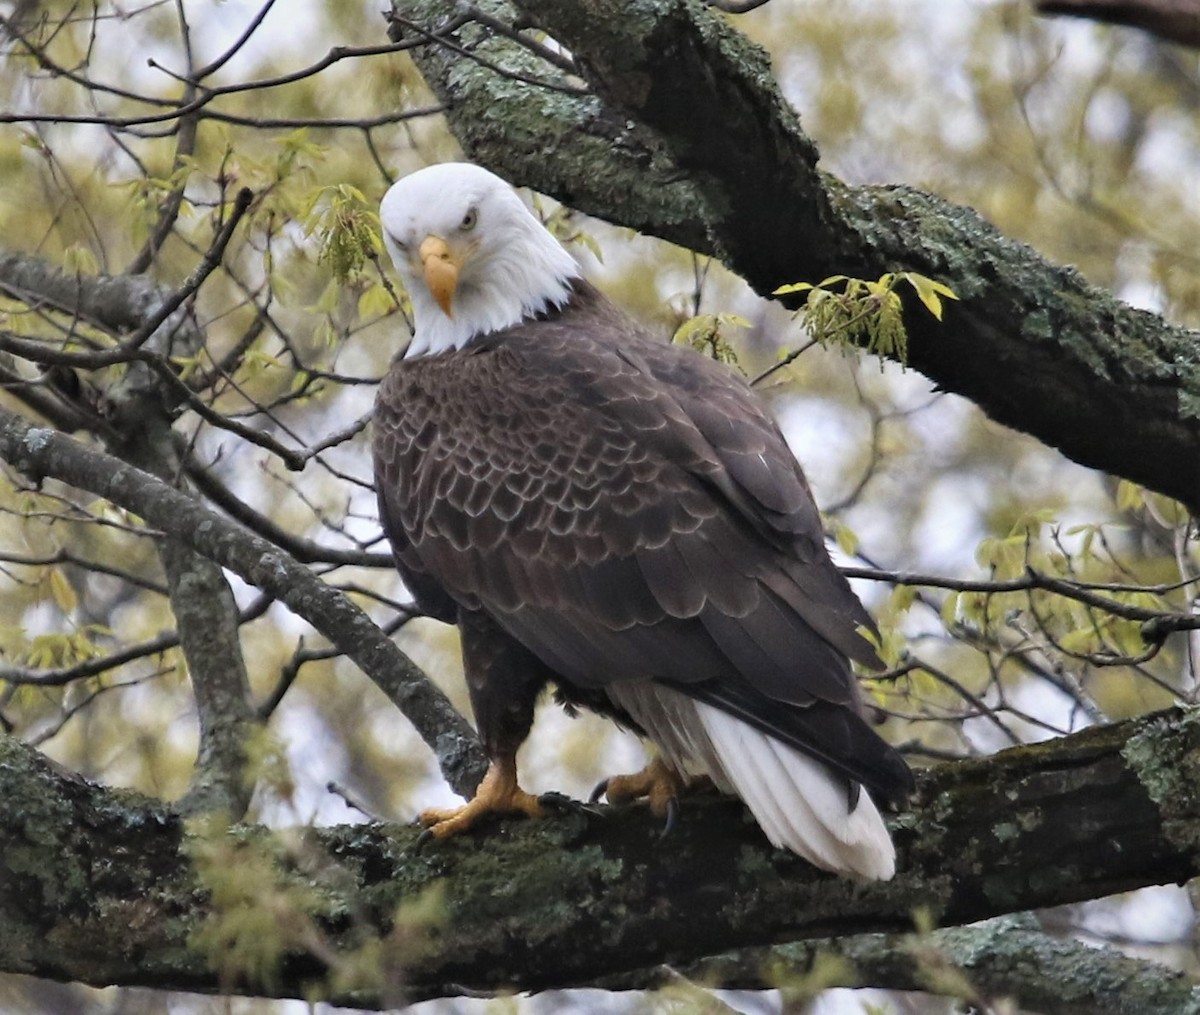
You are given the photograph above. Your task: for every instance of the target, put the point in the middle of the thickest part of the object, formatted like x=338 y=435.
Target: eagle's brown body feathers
x=596 y=508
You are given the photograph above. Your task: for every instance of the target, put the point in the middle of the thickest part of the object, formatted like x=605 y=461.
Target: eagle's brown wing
x=626 y=510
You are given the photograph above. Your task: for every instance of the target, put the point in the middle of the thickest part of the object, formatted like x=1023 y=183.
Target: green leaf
x=846 y=538
x=949 y=610
x=348 y=230
x=79 y=260
x=705 y=333
x=375 y=302
x=63 y=592
x=794 y=287
x=328 y=300
x=903 y=596
x=1130 y=496
x=929 y=292
x=1080 y=641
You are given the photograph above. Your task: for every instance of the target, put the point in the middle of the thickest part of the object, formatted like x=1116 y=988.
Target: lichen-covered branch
x=115 y=302
x=137 y=426
x=1006 y=957
x=98 y=886
x=41 y=452
x=572 y=147
x=138 y=411
x=1173 y=20
x=1033 y=344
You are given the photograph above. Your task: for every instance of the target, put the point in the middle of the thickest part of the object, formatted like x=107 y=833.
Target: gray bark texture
x=44 y=453
x=684 y=135
x=139 y=417
x=1005 y=957
x=101 y=886
x=1173 y=20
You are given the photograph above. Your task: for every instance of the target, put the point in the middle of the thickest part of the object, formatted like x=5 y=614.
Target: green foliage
x=378 y=963
x=1075 y=629
x=147 y=194
x=267 y=764
x=79 y=260
x=269 y=899
x=858 y=312
x=62 y=648
x=258 y=913
x=799 y=987
x=346 y=228
x=891 y=644
x=706 y=333
x=563 y=223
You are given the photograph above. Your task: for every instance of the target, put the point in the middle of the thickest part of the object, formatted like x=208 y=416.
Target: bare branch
x=1160 y=622
x=235 y=47
x=65 y=556
x=208 y=95
x=42 y=452
x=130 y=348
x=156 y=646
x=304 y=550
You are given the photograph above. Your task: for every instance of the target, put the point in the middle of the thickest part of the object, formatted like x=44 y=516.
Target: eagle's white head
x=473 y=258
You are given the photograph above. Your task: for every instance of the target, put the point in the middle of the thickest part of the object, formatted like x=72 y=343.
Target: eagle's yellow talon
x=497 y=794
x=658 y=783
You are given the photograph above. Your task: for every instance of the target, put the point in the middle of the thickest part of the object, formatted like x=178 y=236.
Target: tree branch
x=163 y=314
x=42 y=452
x=1173 y=20
x=307 y=551
x=1112 y=387
x=118 y=303
x=598 y=899
x=1007 y=957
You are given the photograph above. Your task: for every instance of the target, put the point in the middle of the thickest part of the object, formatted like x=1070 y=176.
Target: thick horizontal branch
x=1006 y=957
x=97 y=886
x=1033 y=344
x=155 y=317
x=45 y=453
x=1174 y=20
x=118 y=303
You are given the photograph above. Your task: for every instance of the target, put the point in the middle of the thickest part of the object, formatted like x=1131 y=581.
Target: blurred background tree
x=128 y=134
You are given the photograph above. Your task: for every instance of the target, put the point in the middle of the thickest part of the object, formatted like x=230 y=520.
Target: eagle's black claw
x=424 y=839
x=599 y=791
x=672 y=817
x=565 y=804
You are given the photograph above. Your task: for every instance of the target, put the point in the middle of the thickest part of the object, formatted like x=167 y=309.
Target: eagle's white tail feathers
x=799 y=804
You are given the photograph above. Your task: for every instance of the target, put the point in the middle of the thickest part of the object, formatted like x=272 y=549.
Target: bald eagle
x=619 y=517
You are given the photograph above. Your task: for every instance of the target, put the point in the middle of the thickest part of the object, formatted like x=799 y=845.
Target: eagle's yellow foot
x=497 y=794
x=657 y=782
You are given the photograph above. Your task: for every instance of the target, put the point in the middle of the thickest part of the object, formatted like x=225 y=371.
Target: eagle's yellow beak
x=441 y=271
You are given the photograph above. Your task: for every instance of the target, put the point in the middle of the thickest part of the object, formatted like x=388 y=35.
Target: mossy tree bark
x=100 y=886
x=1033 y=344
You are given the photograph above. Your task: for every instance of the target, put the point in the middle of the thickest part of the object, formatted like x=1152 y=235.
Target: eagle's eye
x=400 y=244
x=469 y=220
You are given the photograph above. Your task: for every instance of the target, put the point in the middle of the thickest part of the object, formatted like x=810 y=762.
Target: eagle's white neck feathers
x=510 y=267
